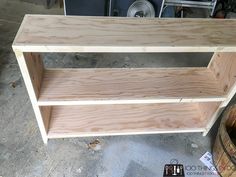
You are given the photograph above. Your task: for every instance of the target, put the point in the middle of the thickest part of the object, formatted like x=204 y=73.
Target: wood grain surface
x=35 y=68
x=95 y=120
x=223 y=65
x=224 y=150
x=44 y=33
x=31 y=67
x=122 y=85
x=208 y=109
x=46 y=115
x=114 y=101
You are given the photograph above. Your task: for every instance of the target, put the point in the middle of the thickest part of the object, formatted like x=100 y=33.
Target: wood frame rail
x=107 y=101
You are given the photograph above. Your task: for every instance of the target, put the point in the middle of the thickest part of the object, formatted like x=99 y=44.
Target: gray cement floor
x=22 y=152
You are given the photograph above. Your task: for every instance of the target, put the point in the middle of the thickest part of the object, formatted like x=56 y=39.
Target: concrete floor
x=22 y=152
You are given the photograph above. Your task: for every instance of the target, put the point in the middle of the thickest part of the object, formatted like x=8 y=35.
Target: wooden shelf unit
x=119 y=101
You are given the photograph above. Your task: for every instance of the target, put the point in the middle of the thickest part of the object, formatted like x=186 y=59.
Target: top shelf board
x=54 y=33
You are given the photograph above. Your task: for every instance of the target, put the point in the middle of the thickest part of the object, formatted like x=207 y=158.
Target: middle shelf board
x=128 y=86
x=101 y=120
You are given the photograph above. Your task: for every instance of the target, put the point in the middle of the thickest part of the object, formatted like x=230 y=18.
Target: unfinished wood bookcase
x=108 y=101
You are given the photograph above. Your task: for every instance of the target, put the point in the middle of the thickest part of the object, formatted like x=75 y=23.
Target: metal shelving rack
x=188 y=3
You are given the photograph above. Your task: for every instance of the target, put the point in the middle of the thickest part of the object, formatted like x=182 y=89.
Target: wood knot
x=226 y=88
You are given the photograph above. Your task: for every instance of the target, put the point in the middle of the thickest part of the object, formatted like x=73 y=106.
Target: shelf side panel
x=223 y=66
x=32 y=71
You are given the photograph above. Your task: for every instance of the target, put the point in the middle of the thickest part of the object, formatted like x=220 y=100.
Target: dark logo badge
x=173 y=169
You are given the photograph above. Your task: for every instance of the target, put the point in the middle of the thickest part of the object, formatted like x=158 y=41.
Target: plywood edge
x=139 y=101
x=52 y=135
x=199 y=69
x=118 y=49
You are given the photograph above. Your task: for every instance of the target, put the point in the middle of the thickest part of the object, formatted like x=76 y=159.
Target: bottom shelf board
x=102 y=120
